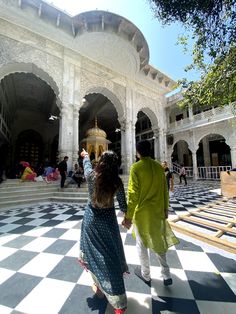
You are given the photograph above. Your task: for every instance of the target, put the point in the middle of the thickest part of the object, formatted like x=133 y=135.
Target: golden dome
x=96 y=132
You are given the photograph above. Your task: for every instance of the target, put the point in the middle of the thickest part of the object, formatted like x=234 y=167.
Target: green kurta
x=148 y=200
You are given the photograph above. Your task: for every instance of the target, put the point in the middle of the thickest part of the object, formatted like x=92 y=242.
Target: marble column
x=127 y=150
x=75 y=135
x=233 y=156
x=195 y=169
x=206 y=152
x=162 y=145
x=62 y=133
x=156 y=144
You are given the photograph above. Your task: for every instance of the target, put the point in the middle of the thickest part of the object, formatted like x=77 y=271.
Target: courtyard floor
x=39 y=272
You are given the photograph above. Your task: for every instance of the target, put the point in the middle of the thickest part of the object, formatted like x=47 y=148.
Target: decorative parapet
x=208 y=117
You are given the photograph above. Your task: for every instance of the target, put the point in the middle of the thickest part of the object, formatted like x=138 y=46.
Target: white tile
x=5 y=309
x=62 y=217
x=6 y=251
x=37 y=222
x=74 y=251
x=9 y=227
x=179 y=289
x=131 y=254
x=67 y=224
x=39 y=244
x=10 y=219
x=47 y=297
x=5 y=274
x=231 y=281
x=41 y=264
x=4 y=238
x=37 y=232
x=36 y=215
x=72 y=234
x=206 y=307
x=85 y=279
x=139 y=303
x=197 y=261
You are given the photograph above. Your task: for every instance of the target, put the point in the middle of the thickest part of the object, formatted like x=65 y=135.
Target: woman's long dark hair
x=107 y=180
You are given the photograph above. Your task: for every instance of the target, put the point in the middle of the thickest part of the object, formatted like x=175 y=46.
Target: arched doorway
x=182 y=154
x=213 y=151
x=97 y=106
x=143 y=130
x=27 y=102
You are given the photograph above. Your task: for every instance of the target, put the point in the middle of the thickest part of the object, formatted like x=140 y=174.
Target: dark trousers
x=78 y=180
x=183 y=176
x=63 y=179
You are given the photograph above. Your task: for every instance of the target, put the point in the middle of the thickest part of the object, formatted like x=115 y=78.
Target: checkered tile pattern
x=39 y=272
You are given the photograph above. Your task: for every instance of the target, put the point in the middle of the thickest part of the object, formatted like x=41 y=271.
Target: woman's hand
x=126 y=223
x=83 y=153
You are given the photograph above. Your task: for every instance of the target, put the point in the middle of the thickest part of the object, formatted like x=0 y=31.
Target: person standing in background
x=182 y=174
x=62 y=167
x=169 y=177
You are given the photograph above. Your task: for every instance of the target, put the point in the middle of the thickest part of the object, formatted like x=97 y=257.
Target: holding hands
x=126 y=223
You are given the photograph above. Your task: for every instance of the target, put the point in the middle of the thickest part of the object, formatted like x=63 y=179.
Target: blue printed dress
x=101 y=249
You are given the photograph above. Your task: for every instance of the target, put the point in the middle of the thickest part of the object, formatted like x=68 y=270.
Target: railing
x=205 y=117
x=176 y=168
x=211 y=173
x=204 y=173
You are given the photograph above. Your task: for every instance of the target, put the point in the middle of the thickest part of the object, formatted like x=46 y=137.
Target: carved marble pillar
x=63 y=149
x=127 y=145
x=206 y=152
x=195 y=169
x=75 y=135
x=162 y=145
x=156 y=144
x=233 y=156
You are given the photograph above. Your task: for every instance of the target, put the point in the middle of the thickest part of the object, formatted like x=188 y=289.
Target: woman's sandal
x=97 y=291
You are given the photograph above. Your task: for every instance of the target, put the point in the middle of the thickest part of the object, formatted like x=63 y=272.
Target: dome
x=96 y=132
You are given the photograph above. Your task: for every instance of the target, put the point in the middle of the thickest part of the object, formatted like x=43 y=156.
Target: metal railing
x=211 y=173
x=204 y=173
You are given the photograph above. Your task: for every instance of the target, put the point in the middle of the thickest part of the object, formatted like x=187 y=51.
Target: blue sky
x=165 y=54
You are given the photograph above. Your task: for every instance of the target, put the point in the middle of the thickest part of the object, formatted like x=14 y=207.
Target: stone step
x=17 y=203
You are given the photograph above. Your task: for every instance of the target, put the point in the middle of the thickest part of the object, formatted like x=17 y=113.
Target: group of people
x=146 y=209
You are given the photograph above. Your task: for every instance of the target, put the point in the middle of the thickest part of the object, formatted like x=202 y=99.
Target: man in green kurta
x=148 y=203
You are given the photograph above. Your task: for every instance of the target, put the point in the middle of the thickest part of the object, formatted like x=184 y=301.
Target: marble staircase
x=15 y=193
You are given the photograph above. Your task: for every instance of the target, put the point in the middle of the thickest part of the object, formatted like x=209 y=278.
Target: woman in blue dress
x=101 y=249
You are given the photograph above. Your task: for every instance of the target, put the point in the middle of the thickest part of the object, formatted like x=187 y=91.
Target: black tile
x=188 y=246
x=135 y=284
x=71 y=212
x=60 y=246
x=19 y=242
x=23 y=221
x=48 y=216
x=83 y=300
x=209 y=287
x=14 y=290
x=4 y=217
x=75 y=217
x=51 y=223
x=129 y=240
x=67 y=269
x=174 y=305
x=55 y=233
x=223 y=264
x=17 y=260
x=23 y=214
x=21 y=229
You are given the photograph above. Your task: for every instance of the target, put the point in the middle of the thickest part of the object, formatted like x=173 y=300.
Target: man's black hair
x=144 y=148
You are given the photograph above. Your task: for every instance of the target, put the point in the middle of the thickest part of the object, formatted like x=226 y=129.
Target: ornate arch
x=111 y=96
x=21 y=67
x=151 y=115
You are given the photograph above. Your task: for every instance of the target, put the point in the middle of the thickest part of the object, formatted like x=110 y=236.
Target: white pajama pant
x=144 y=260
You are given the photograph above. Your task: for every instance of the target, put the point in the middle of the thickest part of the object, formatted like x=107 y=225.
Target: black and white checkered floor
x=39 y=272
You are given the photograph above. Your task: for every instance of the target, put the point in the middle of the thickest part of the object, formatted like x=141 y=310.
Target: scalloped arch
x=151 y=115
x=21 y=67
x=111 y=96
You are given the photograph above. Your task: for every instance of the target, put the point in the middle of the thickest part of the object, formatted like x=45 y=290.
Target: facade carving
x=87 y=65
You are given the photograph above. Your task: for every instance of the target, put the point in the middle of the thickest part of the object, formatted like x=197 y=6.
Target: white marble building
x=95 y=64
